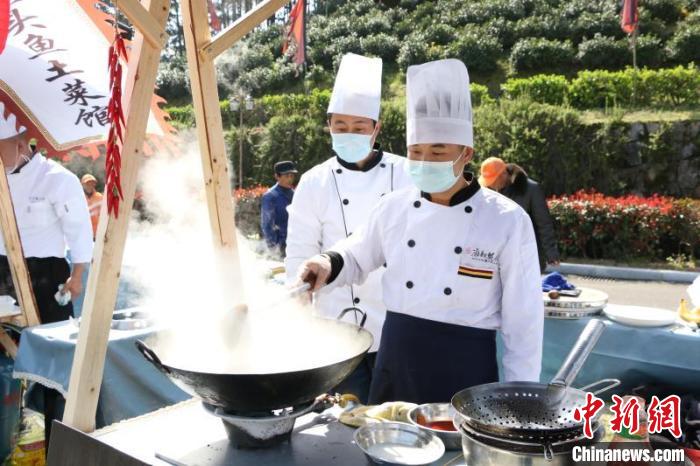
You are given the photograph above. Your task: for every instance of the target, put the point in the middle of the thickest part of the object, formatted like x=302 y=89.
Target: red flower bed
x=250 y=193
x=593 y=225
x=248 y=209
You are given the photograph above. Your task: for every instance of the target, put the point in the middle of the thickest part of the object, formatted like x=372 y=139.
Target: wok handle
x=548 y=452
x=611 y=383
x=151 y=356
x=579 y=353
x=355 y=310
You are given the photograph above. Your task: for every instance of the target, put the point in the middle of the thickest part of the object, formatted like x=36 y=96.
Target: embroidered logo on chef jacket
x=481 y=255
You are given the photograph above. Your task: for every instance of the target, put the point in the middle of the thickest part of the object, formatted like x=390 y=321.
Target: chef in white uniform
x=335 y=197
x=461 y=261
x=52 y=216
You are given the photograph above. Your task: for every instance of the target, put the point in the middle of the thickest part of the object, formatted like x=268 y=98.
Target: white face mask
x=433 y=177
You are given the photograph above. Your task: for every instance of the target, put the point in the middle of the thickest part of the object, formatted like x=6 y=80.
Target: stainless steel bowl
x=131 y=320
x=431 y=412
x=398 y=443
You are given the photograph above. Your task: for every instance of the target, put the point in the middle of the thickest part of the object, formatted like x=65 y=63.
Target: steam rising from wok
x=177 y=268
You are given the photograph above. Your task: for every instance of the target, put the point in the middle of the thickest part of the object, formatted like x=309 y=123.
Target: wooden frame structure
x=149 y=17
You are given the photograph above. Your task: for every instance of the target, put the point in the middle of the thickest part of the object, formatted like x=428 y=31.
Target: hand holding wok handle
x=315 y=272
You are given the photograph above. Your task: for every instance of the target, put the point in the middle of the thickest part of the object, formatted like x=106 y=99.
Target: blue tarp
x=131 y=386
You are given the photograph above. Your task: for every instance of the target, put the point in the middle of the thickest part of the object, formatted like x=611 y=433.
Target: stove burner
x=261 y=429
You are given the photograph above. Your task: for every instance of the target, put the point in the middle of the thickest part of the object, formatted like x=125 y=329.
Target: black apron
x=424 y=361
x=45 y=274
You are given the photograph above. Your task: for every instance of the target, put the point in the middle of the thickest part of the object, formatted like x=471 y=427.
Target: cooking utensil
x=588 y=299
x=398 y=443
x=640 y=316
x=485 y=450
x=131 y=320
x=169 y=460
x=8 y=307
x=289 y=293
x=562 y=313
x=531 y=410
x=425 y=415
x=248 y=392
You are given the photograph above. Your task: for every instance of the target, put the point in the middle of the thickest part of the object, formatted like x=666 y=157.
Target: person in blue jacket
x=273 y=212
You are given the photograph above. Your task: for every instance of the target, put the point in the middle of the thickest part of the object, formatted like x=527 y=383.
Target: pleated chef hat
x=358 y=87
x=438 y=104
x=8 y=124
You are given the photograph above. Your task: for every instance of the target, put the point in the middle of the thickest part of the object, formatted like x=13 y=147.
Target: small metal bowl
x=431 y=412
x=397 y=443
x=131 y=320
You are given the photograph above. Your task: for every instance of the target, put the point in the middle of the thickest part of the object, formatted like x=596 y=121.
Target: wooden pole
x=15 y=255
x=210 y=133
x=144 y=22
x=8 y=343
x=634 y=49
x=101 y=293
x=241 y=134
x=232 y=34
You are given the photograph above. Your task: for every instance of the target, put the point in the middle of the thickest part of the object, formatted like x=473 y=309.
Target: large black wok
x=249 y=393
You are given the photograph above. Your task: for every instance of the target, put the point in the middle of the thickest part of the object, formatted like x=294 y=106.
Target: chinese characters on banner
x=54 y=70
x=661 y=414
x=44 y=50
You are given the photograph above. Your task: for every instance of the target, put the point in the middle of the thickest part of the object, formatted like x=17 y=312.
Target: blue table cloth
x=634 y=355
x=131 y=386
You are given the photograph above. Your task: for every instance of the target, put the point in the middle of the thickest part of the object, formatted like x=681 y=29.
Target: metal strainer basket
x=530 y=410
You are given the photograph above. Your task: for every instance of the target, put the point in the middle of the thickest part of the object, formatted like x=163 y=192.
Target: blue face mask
x=352 y=147
x=432 y=177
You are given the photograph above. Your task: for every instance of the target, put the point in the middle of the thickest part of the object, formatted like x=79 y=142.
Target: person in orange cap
x=493 y=174
x=512 y=181
x=94 y=199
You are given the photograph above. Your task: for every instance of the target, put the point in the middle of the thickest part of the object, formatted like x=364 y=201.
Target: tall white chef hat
x=438 y=104
x=358 y=87
x=8 y=124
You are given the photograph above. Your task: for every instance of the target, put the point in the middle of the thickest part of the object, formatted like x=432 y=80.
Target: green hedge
x=601 y=88
x=479 y=51
x=535 y=35
x=604 y=52
x=589 y=89
x=552 y=142
x=684 y=47
x=544 y=88
x=535 y=54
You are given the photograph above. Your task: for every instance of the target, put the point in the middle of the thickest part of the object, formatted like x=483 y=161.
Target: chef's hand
x=553 y=262
x=316 y=271
x=74 y=284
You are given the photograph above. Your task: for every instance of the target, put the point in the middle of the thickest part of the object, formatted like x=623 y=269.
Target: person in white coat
x=52 y=216
x=461 y=261
x=335 y=197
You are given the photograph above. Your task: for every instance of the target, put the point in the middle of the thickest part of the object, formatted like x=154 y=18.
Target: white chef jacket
x=329 y=204
x=472 y=264
x=51 y=211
